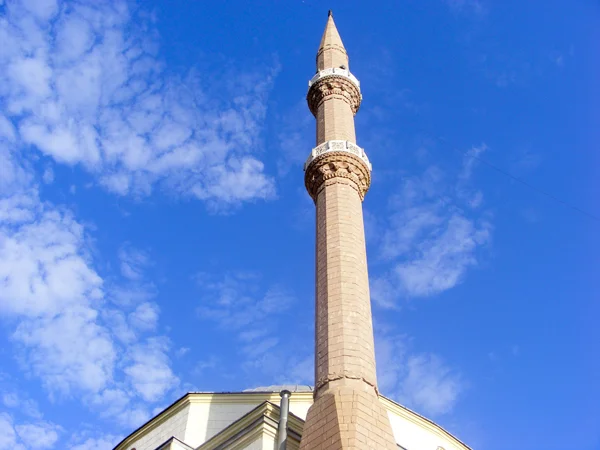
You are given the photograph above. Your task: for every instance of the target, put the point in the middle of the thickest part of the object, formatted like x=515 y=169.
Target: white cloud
x=182 y=351
x=69 y=351
x=48 y=176
x=429 y=241
x=442 y=261
x=42 y=266
x=19 y=401
x=202 y=366
x=260 y=347
x=133 y=416
x=133 y=262
x=48 y=283
x=27 y=436
x=90 y=91
x=8 y=435
x=98 y=443
x=238 y=303
x=296 y=138
x=300 y=371
x=470 y=160
x=121 y=406
x=149 y=370
x=420 y=381
x=42 y=9
x=431 y=385
x=38 y=435
x=7 y=129
x=475 y=7
x=10 y=399
x=145 y=316
x=67 y=333
x=131 y=293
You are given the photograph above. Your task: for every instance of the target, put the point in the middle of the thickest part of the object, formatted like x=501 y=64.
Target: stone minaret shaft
x=346 y=413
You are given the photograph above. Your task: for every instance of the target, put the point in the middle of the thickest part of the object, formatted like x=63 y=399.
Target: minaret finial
x=332 y=53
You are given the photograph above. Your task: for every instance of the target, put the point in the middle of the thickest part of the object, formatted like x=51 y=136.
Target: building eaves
x=264 y=416
x=171 y=439
x=182 y=401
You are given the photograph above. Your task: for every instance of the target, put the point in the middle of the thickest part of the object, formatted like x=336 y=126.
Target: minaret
x=346 y=413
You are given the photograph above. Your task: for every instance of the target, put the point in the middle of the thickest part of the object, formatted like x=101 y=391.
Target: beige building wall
x=199 y=415
x=175 y=425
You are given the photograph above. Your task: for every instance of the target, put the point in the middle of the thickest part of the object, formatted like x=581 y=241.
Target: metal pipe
x=284 y=408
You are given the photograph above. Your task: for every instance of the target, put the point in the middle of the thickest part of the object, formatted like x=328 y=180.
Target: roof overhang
x=261 y=421
x=205 y=397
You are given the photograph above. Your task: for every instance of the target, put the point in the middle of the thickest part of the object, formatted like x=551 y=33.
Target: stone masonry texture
x=346 y=413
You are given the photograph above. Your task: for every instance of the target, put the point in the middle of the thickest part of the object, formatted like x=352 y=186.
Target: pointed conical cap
x=331 y=51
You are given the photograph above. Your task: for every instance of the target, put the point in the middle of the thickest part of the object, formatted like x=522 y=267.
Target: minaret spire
x=346 y=413
x=331 y=52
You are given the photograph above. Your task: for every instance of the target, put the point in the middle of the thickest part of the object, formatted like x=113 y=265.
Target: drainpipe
x=284 y=408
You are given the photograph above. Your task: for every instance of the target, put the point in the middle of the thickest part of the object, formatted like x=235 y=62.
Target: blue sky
x=156 y=237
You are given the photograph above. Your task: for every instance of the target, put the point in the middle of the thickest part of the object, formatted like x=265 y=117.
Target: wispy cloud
x=90 y=91
x=19 y=401
x=432 y=236
x=149 y=369
x=242 y=304
x=296 y=138
x=422 y=381
x=524 y=161
x=106 y=442
x=36 y=435
x=475 y=7
x=133 y=262
x=238 y=302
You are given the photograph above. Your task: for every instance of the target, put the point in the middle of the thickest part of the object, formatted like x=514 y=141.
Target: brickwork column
x=346 y=413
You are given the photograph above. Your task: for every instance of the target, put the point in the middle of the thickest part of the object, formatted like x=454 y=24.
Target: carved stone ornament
x=335 y=167
x=333 y=85
x=334 y=71
x=339 y=146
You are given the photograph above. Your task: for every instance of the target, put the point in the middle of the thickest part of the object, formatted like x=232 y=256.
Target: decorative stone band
x=333 y=82
x=334 y=71
x=338 y=146
x=336 y=167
